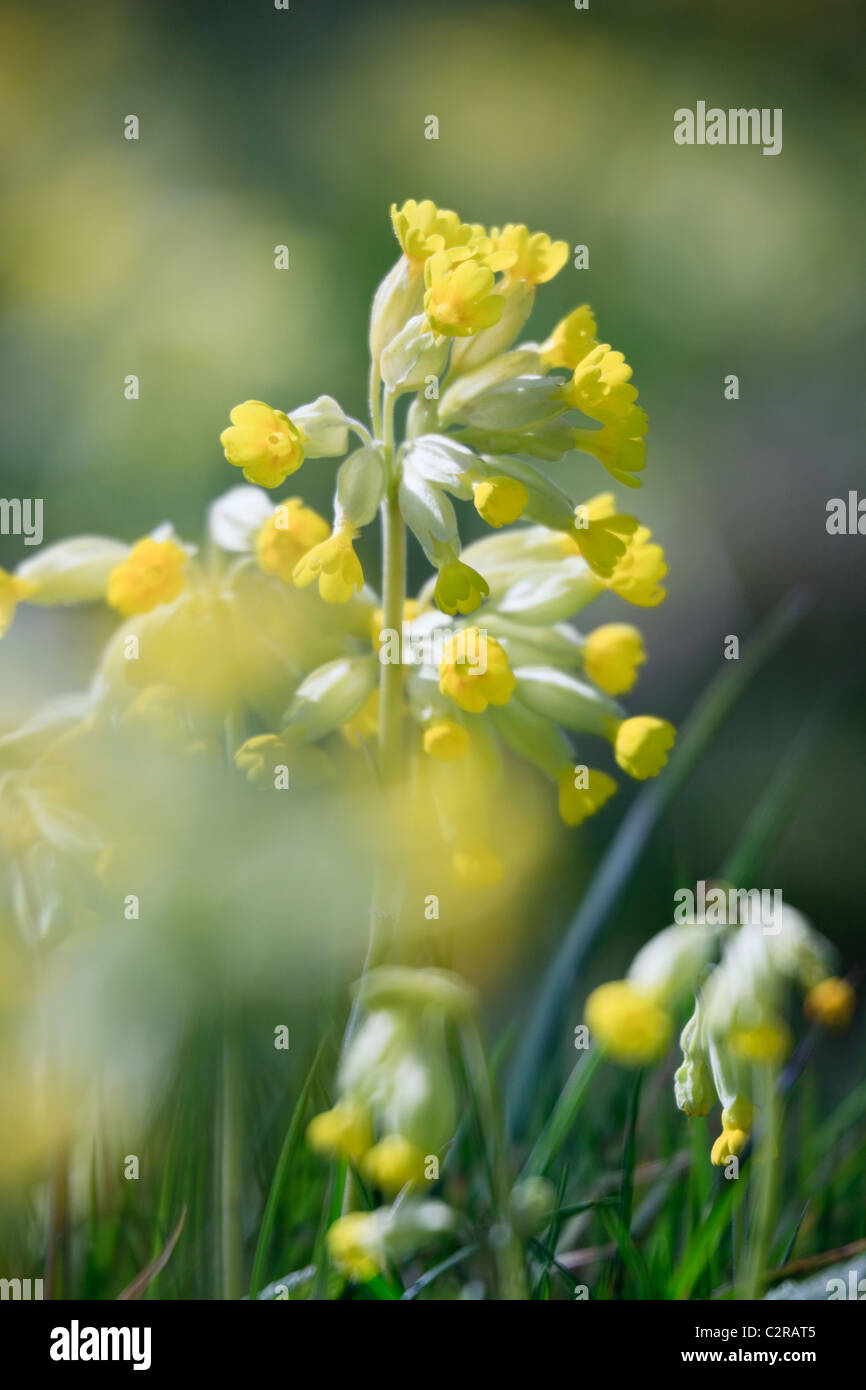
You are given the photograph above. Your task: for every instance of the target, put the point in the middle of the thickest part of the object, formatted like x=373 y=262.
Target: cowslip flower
x=151 y=575
x=462 y=678
x=263 y=442
x=460 y=298
x=287 y=536
x=642 y=744
x=536 y=258
x=334 y=563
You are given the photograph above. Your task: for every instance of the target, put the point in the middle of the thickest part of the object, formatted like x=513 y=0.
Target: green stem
x=507 y=1247
x=386 y=885
x=230 y=1172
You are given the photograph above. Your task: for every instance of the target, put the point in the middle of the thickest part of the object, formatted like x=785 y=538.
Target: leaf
x=150 y=1271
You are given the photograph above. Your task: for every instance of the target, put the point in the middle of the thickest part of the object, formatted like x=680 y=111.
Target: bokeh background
x=260 y=127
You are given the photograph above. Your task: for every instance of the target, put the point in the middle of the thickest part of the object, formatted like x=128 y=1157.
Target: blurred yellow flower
x=446 y=740
x=831 y=1003
x=354 y=1246
x=287 y=536
x=150 y=576
x=263 y=442
x=344 y=1131
x=768 y=1042
x=628 y=1022
x=576 y=802
x=471 y=683
x=392 y=1163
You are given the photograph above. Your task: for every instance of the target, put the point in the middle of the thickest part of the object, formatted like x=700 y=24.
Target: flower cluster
x=739 y=975
x=487 y=650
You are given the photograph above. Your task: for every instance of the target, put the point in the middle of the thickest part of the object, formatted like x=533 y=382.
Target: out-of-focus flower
x=151 y=575
x=392 y=1163
x=344 y=1131
x=831 y=1002
x=469 y=684
x=356 y=1247
x=287 y=536
x=582 y=792
x=628 y=1022
x=446 y=740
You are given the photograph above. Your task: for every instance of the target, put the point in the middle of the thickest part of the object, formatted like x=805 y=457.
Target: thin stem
x=507 y=1248
x=230 y=1171
x=375 y=400
x=387 y=880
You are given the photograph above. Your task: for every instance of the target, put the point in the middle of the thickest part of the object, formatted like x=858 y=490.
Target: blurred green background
x=260 y=127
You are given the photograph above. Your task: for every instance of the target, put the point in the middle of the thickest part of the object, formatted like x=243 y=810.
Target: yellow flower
x=739 y=1114
x=264 y=443
x=576 y=803
x=472 y=683
x=536 y=258
x=831 y=1003
x=12 y=591
x=422 y=228
x=628 y=1022
x=287 y=536
x=354 y=1246
x=611 y=656
x=446 y=740
x=729 y=1144
x=459 y=588
x=641 y=745
x=500 y=500
x=365 y=725
x=392 y=1163
x=459 y=299
x=477 y=866
x=150 y=575
x=344 y=1132
x=636 y=576
x=571 y=339
x=768 y=1042
x=600 y=534
x=336 y=566
x=619 y=444
x=600 y=385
